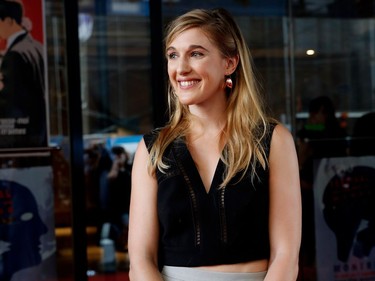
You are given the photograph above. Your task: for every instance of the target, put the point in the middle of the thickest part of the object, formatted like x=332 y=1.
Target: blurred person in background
x=119 y=185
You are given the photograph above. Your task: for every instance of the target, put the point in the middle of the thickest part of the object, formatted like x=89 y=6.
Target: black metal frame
x=158 y=88
x=76 y=141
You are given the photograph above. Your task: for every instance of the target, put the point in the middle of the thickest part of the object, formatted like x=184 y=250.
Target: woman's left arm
x=285 y=207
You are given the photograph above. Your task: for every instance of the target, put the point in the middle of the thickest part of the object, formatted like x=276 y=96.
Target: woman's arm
x=285 y=207
x=143 y=222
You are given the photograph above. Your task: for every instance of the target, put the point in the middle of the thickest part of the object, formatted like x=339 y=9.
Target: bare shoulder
x=282 y=142
x=281 y=132
x=141 y=152
x=141 y=148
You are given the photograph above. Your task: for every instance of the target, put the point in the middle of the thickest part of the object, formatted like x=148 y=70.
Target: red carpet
x=121 y=276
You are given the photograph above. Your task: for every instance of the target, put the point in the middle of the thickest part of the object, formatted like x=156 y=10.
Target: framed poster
x=27 y=229
x=344 y=196
x=23 y=81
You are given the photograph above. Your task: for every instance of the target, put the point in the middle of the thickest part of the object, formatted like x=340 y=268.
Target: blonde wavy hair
x=247 y=122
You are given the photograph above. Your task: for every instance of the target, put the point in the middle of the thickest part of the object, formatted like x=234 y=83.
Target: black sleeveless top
x=224 y=226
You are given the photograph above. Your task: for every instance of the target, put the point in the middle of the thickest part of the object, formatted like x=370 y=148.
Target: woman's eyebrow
x=171 y=48
x=191 y=47
x=197 y=47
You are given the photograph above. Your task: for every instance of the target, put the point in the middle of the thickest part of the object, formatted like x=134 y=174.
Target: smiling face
x=196 y=68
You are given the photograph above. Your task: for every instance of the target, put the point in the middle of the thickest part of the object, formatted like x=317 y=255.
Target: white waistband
x=174 y=273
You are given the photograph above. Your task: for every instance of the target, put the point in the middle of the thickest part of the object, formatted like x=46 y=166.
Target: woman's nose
x=183 y=66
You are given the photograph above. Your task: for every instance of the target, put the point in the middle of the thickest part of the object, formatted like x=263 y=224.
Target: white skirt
x=175 y=273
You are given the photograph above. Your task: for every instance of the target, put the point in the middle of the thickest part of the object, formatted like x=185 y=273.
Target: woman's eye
x=171 y=55
x=196 y=54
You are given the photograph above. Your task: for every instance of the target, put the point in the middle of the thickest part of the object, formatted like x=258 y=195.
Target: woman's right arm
x=143 y=223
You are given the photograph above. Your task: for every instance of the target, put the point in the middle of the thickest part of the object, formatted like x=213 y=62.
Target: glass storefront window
x=115 y=69
x=341 y=65
x=116 y=109
x=301 y=50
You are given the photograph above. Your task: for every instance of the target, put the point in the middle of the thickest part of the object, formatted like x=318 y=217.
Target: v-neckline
x=192 y=170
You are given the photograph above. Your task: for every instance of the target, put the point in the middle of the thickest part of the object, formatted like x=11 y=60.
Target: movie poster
x=23 y=81
x=27 y=231
x=344 y=195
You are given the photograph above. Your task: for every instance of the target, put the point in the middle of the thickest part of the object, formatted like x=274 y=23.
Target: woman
x=220 y=198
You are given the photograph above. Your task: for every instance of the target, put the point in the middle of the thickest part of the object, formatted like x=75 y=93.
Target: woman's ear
x=232 y=63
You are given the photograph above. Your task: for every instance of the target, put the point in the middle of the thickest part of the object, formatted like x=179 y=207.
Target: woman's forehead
x=192 y=36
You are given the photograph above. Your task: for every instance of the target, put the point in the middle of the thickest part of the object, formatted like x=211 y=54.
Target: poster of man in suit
x=23 y=106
